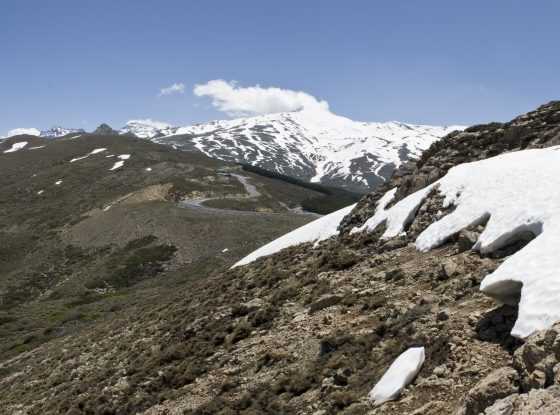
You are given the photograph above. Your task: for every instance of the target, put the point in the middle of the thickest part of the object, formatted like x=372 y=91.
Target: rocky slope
x=310 y=330
x=91 y=224
x=312 y=145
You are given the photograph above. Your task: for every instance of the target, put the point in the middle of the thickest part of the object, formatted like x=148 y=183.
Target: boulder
x=496 y=385
x=536 y=402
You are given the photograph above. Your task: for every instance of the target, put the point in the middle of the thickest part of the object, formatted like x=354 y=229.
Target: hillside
x=92 y=224
x=311 y=145
x=313 y=327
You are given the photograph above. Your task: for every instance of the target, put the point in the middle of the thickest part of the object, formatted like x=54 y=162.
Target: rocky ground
x=311 y=330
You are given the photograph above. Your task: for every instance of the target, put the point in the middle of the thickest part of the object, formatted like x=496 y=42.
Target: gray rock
x=449 y=268
x=324 y=302
x=466 y=239
x=496 y=385
x=536 y=402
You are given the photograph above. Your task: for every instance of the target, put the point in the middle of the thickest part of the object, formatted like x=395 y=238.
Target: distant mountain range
x=311 y=145
x=53 y=132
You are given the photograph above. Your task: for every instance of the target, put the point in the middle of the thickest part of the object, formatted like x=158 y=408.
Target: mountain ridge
x=312 y=145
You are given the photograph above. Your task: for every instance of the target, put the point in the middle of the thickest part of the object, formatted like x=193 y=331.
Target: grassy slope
x=66 y=263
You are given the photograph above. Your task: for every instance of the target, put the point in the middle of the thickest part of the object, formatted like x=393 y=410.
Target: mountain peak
x=311 y=144
x=105 y=129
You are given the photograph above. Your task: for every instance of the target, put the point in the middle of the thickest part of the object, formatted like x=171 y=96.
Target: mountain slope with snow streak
x=316 y=231
x=513 y=194
x=314 y=145
x=147 y=128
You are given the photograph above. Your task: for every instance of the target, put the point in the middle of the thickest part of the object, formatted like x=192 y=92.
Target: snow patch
x=58 y=182
x=117 y=165
x=515 y=193
x=40 y=192
x=36 y=147
x=148 y=169
x=91 y=153
x=316 y=231
x=401 y=372
x=16 y=147
x=124 y=156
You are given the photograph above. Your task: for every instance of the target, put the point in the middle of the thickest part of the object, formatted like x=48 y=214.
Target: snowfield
x=16 y=147
x=515 y=193
x=316 y=231
x=401 y=372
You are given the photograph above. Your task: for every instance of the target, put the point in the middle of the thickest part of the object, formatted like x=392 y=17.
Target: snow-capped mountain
x=56 y=132
x=53 y=132
x=23 y=131
x=314 y=145
x=147 y=128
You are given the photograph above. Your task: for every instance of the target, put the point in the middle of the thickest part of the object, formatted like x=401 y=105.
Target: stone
x=466 y=239
x=536 y=402
x=498 y=384
x=394 y=275
x=449 y=268
x=325 y=301
x=442 y=316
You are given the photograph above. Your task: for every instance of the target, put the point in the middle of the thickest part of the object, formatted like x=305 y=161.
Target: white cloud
x=234 y=100
x=176 y=88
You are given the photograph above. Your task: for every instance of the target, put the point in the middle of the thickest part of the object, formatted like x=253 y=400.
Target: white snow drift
x=91 y=153
x=516 y=193
x=120 y=163
x=401 y=372
x=16 y=147
x=117 y=165
x=316 y=231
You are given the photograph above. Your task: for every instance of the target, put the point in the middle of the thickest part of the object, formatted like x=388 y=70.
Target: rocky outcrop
x=500 y=383
x=536 y=129
x=531 y=385
x=536 y=402
x=105 y=129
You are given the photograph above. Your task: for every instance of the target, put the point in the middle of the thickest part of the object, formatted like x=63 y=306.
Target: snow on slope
x=147 y=128
x=401 y=372
x=311 y=144
x=91 y=153
x=16 y=147
x=23 y=131
x=53 y=132
x=517 y=192
x=316 y=231
x=56 y=132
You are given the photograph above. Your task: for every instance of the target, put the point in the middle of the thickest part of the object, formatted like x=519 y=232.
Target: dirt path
x=252 y=193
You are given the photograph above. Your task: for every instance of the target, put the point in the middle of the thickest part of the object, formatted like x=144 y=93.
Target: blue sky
x=436 y=62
